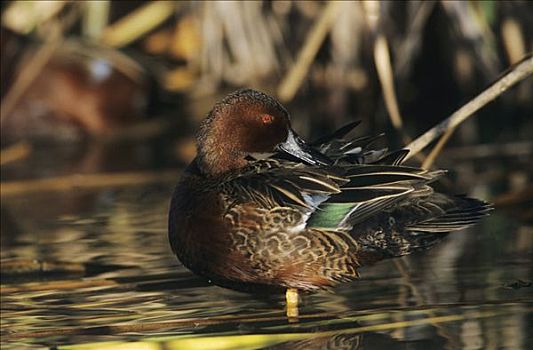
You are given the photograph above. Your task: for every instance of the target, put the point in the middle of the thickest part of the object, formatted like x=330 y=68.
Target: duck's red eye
x=267 y=119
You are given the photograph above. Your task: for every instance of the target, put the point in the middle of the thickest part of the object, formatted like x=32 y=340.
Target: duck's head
x=248 y=122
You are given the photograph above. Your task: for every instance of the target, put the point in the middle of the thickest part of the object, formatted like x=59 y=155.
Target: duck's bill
x=295 y=147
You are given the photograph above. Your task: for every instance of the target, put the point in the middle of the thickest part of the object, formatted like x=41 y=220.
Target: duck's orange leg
x=292 y=304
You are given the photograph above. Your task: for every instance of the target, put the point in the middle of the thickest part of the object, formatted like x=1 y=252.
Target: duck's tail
x=416 y=226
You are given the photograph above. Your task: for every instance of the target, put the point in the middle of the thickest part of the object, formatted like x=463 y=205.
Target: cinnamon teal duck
x=258 y=209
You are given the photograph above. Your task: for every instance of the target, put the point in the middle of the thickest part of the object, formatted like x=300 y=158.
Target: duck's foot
x=292 y=304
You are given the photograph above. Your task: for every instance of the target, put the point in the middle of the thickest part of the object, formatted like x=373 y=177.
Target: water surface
x=104 y=275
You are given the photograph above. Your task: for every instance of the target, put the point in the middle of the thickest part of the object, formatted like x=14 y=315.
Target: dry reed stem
x=137 y=23
x=517 y=73
x=384 y=69
x=15 y=152
x=513 y=40
x=430 y=159
x=30 y=71
x=386 y=79
x=23 y=17
x=293 y=80
x=95 y=17
x=84 y=181
x=33 y=67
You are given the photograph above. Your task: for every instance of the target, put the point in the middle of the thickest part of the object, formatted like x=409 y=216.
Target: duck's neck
x=217 y=148
x=215 y=161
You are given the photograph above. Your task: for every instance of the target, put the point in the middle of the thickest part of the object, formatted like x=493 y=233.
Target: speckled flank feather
x=279 y=249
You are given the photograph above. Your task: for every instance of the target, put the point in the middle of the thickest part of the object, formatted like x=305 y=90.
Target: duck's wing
x=369 y=190
x=312 y=241
x=272 y=183
x=333 y=220
x=335 y=197
x=356 y=150
x=336 y=135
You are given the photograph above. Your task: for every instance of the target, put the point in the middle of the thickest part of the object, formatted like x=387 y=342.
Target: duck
x=83 y=92
x=261 y=210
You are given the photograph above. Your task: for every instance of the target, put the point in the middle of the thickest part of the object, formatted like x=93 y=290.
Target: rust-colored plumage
x=306 y=217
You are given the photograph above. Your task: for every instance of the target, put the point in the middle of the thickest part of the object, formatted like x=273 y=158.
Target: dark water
x=116 y=285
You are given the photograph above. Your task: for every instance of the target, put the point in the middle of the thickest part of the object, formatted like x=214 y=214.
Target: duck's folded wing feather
x=335 y=197
x=356 y=150
x=370 y=189
x=277 y=183
x=336 y=135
